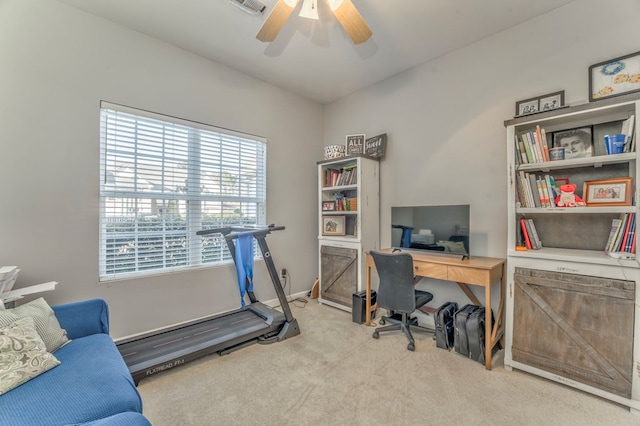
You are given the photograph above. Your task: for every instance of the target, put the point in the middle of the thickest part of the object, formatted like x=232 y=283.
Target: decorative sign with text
x=375 y=146
x=355 y=144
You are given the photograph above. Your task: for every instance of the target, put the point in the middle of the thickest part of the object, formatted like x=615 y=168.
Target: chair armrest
x=83 y=318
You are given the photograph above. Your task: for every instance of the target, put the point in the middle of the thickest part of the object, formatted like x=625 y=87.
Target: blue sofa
x=91 y=386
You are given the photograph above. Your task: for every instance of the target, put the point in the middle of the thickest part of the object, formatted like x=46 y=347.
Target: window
x=161 y=180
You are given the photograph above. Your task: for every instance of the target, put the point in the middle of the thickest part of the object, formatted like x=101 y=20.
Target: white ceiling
x=316 y=59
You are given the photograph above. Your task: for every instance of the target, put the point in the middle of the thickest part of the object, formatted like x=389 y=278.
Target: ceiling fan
x=345 y=12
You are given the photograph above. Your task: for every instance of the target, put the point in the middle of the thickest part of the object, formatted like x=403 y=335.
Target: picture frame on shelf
x=614 y=77
x=543 y=103
x=328 y=206
x=577 y=143
x=375 y=146
x=608 y=192
x=333 y=225
x=355 y=144
x=527 y=106
x=551 y=101
x=561 y=181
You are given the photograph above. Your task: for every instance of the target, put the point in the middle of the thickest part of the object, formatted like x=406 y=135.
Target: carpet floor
x=335 y=373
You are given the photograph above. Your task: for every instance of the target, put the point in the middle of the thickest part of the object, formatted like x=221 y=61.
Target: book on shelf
x=615 y=246
x=527 y=149
x=629 y=235
x=529 y=190
x=545 y=143
x=534 y=190
x=535 y=147
x=613 y=234
x=522 y=159
x=554 y=188
x=628 y=126
x=622 y=235
x=551 y=193
x=525 y=234
x=542 y=144
x=627 y=223
x=533 y=234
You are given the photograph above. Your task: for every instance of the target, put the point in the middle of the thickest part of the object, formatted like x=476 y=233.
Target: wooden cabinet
x=573 y=310
x=579 y=327
x=348 y=225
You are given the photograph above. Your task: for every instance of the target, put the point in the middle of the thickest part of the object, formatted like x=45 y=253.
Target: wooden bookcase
x=349 y=229
x=572 y=310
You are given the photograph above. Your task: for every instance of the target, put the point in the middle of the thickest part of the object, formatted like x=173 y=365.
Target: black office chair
x=397 y=294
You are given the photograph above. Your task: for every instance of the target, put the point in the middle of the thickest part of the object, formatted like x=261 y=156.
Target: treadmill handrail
x=235 y=231
x=232 y=232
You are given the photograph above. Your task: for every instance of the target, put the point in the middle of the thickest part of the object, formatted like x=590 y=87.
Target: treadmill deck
x=164 y=349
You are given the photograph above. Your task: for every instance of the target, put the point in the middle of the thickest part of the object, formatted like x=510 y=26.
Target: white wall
x=444 y=119
x=57 y=63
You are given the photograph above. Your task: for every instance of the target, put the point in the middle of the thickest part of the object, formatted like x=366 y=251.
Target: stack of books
x=536 y=190
x=530 y=235
x=622 y=242
x=340 y=177
x=533 y=147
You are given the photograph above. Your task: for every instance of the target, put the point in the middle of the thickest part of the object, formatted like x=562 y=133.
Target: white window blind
x=162 y=179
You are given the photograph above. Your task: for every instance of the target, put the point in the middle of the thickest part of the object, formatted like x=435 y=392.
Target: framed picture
x=328 y=206
x=528 y=106
x=608 y=192
x=561 y=181
x=551 y=101
x=333 y=225
x=547 y=102
x=577 y=143
x=375 y=146
x=355 y=144
x=614 y=77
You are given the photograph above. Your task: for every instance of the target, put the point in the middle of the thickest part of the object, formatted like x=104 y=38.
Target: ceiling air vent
x=253 y=7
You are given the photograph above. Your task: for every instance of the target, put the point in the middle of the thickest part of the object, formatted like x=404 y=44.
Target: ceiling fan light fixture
x=309 y=9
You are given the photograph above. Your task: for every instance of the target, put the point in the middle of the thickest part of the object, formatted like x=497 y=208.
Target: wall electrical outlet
x=283 y=272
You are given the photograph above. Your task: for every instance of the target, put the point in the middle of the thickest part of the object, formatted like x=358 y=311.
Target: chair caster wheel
x=411 y=347
x=382 y=321
x=376 y=335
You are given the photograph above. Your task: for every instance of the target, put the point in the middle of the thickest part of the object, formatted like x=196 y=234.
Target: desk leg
x=466 y=290
x=498 y=330
x=488 y=349
x=368 y=296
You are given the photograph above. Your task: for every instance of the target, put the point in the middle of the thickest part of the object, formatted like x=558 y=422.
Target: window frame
x=199 y=200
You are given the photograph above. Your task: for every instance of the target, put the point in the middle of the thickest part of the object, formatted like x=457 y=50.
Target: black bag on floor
x=469 y=336
x=475 y=334
x=461 y=340
x=445 y=330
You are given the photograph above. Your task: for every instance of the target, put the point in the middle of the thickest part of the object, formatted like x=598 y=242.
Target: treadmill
x=161 y=350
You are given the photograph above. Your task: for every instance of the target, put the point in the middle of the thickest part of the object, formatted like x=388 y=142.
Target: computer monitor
x=443 y=229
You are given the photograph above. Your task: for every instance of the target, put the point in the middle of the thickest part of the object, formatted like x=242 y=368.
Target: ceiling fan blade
x=352 y=22
x=275 y=21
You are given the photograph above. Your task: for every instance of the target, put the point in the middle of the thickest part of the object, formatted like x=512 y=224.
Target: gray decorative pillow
x=22 y=354
x=44 y=318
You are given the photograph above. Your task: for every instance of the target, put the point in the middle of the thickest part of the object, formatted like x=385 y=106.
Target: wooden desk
x=481 y=271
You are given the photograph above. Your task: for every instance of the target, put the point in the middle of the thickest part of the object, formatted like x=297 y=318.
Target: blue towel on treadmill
x=244 y=263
